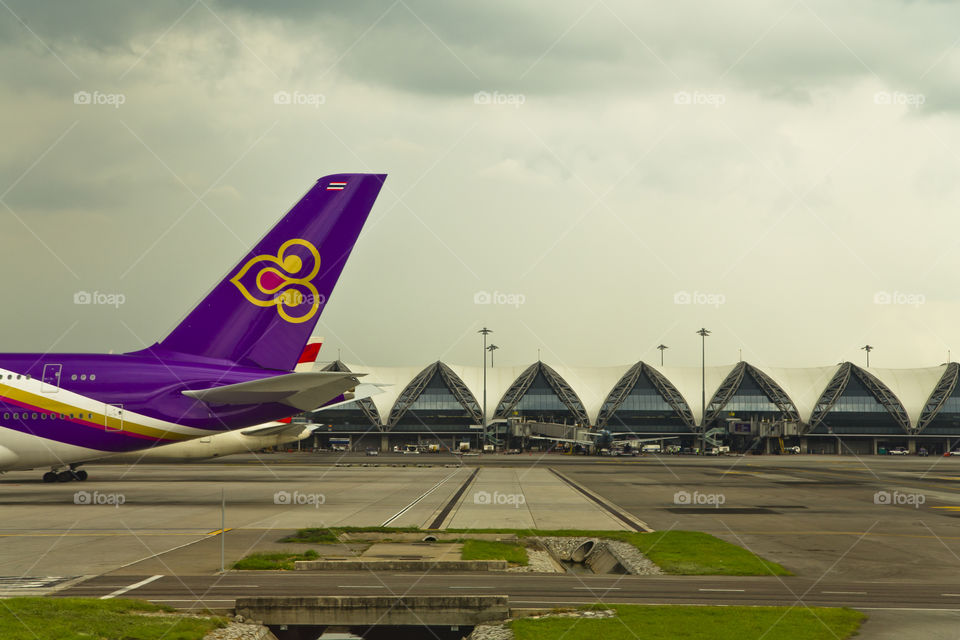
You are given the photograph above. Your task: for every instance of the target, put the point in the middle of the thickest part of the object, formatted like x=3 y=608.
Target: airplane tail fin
x=266 y=308
x=309 y=356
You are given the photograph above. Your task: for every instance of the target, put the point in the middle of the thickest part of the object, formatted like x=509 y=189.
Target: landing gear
x=67 y=475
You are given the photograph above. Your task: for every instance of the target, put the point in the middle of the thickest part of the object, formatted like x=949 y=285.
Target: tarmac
x=881 y=532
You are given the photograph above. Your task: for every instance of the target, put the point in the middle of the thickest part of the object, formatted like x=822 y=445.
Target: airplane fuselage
x=72 y=405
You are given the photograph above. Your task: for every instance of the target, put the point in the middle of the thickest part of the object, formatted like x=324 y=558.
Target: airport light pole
x=491 y=349
x=485 y=333
x=662 y=348
x=703 y=333
x=868 y=349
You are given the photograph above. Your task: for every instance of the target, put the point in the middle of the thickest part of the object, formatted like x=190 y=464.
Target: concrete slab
x=414 y=551
x=895 y=625
x=526 y=497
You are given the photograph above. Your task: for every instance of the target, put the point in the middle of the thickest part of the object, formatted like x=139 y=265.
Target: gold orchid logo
x=283 y=280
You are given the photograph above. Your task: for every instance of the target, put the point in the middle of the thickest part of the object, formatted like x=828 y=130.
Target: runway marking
x=452 y=502
x=360 y=586
x=136 y=585
x=867 y=534
x=193 y=600
x=234 y=586
x=422 y=496
x=725 y=590
x=846 y=593
x=470 y=587
x=596 y=588
x=90 y=535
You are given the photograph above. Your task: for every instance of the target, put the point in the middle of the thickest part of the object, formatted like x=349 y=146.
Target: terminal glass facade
x=436 y=409
x=857 y=411
x=644 y=410
x=541 y=402
x=750 y=400
x=947 y=420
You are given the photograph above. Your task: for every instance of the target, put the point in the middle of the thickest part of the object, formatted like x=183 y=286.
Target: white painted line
x=422 y=496
x=193 y=600
x=950 y=595
x=596 y=588
x=235 y=586
x=724 y=590
x=360 y=586
x=847 y=593
x=470 y=587
x=130 y=588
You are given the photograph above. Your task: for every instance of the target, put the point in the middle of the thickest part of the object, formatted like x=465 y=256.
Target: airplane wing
x=303 y=391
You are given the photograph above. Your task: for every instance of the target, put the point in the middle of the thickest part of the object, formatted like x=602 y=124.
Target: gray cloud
x=599 y=198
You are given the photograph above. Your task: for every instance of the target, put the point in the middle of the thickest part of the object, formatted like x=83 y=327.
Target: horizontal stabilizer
x=363 y=390
x=302 y=391
x=273 y=429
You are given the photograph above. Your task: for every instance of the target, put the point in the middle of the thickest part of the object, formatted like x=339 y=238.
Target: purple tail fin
x=264 y=311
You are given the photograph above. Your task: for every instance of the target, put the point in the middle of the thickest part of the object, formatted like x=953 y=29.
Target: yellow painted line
x=947 y=508
x=219 y=531
x=113 y=425
x=842 y=533
x=92 y=535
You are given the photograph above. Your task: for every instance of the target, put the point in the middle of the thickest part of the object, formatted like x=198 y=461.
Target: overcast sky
x=606 y=176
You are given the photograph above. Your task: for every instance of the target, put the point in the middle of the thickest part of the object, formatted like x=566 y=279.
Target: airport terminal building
x=837 y=409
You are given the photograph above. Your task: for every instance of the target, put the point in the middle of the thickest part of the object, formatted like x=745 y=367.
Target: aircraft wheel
x=81 y=475
x=65 y=476
x=50 y=476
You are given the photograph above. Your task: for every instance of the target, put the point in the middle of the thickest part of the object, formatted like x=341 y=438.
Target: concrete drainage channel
x=598 y=556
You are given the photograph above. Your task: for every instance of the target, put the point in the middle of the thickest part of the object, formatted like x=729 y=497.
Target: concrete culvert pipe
x=580 y=554
x=430 y=538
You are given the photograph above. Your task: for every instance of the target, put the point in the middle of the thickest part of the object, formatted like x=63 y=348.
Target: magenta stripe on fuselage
x=59 y=429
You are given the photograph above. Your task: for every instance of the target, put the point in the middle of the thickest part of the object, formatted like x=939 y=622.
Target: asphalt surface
x=527 y=590
x=878 y=534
